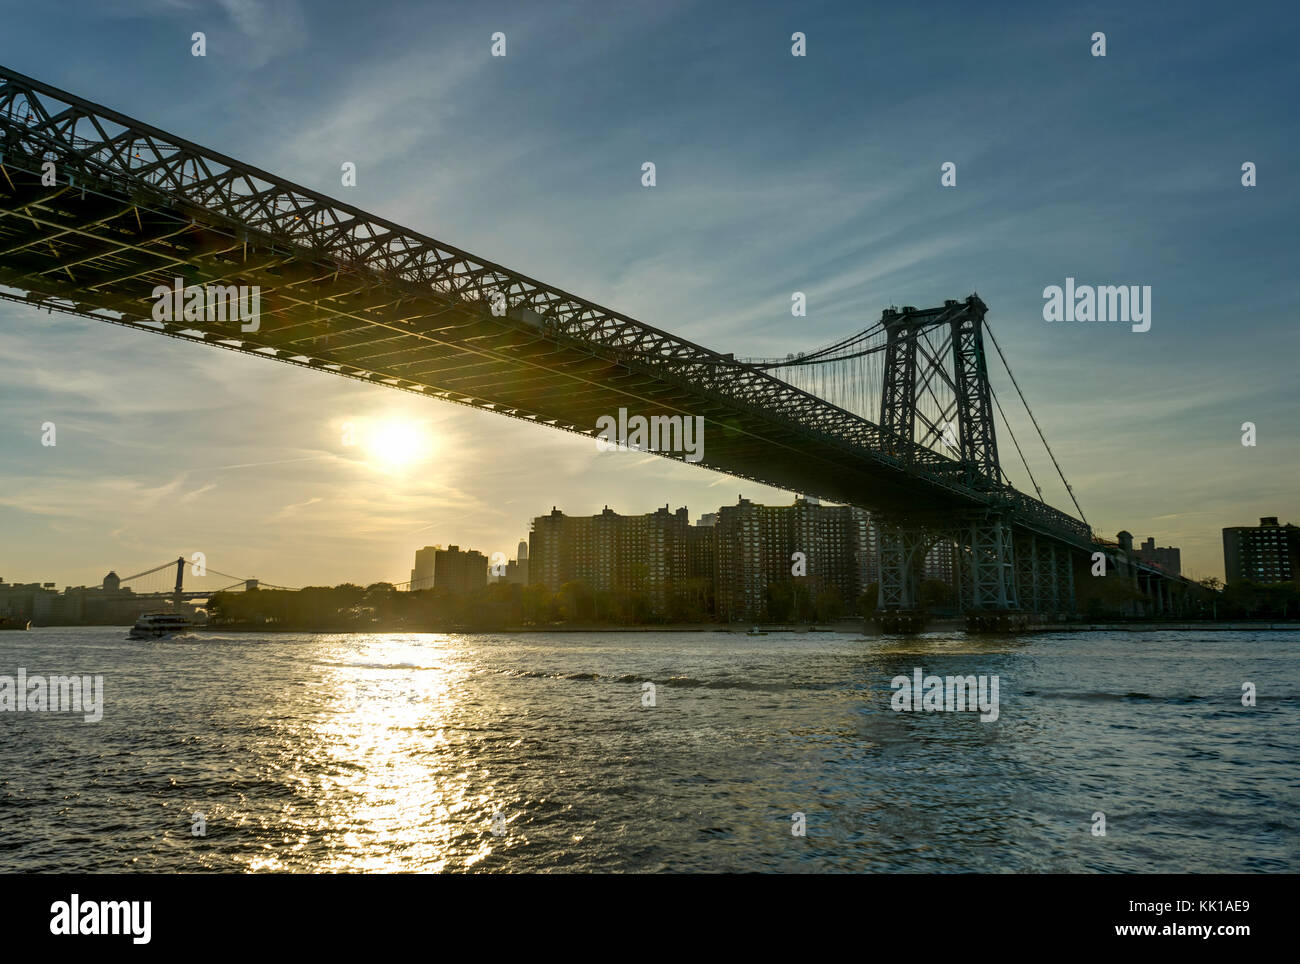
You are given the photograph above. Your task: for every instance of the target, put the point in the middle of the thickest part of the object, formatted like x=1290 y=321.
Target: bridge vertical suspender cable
x=1051 y=454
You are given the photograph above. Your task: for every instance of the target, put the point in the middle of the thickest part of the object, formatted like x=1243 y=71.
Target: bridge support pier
x=1048 y=600
x=1065 y=580
x=986 y=554
x=984 y=563
x=1026 y=552
x=998 y=573
x=1044 y=575
x=1161 y=591
x=902 y=551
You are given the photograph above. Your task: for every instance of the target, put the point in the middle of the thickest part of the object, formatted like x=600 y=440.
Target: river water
x=537 y=752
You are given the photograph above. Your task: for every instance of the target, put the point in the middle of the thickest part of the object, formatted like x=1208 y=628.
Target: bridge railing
x=1035 y=512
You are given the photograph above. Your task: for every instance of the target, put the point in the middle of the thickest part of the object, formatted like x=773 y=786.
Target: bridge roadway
x=348 y=293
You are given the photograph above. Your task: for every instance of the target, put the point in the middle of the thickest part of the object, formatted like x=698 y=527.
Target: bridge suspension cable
x=849 y=373
x=835 y=351
x=242 y=580
x=1006 y=423
x=209 y=570
x=239 y=581
x=169 y=564
x=1037 y=427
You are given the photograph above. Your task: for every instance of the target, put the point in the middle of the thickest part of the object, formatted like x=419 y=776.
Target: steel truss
x=969 y=416
x=359 y=296
x=1044 y=574
x=358 y=267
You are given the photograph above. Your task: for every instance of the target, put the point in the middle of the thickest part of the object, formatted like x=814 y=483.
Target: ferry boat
x=159 y=626
x=14 y=622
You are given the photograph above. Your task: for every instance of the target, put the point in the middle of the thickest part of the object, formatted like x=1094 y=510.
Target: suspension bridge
x=99 y=212
x=180 y=578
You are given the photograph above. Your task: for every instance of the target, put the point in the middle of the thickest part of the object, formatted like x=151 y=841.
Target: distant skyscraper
x=1264 y=553
x=517 y=569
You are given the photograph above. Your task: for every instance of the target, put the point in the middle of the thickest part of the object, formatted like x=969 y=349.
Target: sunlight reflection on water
x=434 y=752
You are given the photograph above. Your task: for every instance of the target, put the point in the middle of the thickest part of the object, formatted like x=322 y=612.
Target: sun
x=398 y=443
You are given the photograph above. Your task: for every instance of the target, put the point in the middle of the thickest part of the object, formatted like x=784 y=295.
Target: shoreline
x=855 y=627
x=848 y=627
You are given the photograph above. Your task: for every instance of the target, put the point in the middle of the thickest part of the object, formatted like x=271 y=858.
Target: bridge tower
x=180 y=579
x=936 y=392
x=950 y=343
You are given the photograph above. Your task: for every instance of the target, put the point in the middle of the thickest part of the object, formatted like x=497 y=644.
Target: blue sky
x=775 y=174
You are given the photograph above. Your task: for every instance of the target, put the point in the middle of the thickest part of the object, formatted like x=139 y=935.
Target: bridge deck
x=345 y=292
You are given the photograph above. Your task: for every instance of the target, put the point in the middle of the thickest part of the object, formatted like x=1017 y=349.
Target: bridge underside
x=103 y=253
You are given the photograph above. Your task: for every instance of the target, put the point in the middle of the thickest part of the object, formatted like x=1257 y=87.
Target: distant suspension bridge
x=168 y=579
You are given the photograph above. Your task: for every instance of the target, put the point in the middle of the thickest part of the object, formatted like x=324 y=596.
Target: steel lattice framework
x=98 y=209
x=968 y=417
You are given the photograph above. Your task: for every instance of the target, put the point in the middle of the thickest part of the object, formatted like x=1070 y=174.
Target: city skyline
x=421 y=576
x=307 y=481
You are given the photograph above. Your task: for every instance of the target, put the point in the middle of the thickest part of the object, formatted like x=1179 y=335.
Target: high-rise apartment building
x=731 y=557
x=422 y=574
x=659 y=553
x=459 y=571
x=1265 y=553
x=756 y=546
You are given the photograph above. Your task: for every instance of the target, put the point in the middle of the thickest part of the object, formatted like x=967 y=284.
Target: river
x=547 y=752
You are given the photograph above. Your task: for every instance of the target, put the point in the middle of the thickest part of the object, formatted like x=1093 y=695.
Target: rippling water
x=397 y=752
